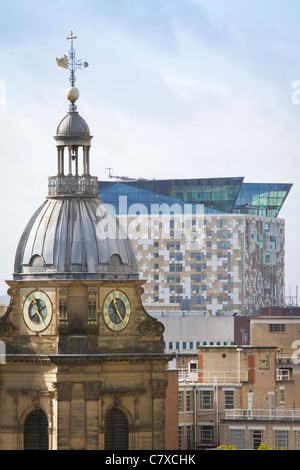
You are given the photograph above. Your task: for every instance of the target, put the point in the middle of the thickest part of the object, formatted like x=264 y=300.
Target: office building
x=215 y=245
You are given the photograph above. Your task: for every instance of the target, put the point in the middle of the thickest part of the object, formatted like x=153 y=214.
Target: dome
x=74 y=238
x=73 y=125
x=73 y=130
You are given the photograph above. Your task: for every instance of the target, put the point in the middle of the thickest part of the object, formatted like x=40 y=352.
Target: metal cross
x=71 y=38
x=70 y=62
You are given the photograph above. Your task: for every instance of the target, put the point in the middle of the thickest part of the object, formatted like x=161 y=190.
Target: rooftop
x=218 y=195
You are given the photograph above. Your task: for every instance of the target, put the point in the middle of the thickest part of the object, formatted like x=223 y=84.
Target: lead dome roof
x=74 y=238
x=73 y=130
x=73 y=125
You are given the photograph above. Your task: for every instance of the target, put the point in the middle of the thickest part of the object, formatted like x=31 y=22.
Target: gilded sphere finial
x=72 y=94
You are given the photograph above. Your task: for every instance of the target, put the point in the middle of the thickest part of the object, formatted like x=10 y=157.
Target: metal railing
x=224 y=377
x=277 y=414
x=217 y=377
x=284 y=374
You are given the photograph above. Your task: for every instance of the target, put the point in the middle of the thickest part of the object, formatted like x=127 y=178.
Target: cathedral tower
x=85 y=367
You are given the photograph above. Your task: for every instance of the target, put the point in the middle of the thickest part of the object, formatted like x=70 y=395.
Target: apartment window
x=175 y=268
x=174 y=299
x=282 y=395
x=176 y=256
x=180 y=436
x=223 y=234
x=206 y=399
x=176 y=289
x=276 y=327
x=257 y=438
x=297 y=440
x=180 y=401
x=197 y=256
x=223 y=245
x=206 y=435
x=189 y=436
x=281 y=439
x=189 y=400
x=222 y=222
x=237 y=438
x=229 y=399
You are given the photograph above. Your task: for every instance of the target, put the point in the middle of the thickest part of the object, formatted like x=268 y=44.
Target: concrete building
x=213 y=245
x=243 y=395
x=185 y=332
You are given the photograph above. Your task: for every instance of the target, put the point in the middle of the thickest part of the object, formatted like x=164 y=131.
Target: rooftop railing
x=278 y=414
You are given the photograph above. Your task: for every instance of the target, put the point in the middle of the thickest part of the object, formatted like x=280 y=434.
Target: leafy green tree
x=226 y=448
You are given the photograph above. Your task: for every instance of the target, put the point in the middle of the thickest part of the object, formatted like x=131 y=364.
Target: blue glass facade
x=218 y=195
x=265 y=199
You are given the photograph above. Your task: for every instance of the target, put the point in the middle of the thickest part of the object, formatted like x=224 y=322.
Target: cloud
x=189 y=87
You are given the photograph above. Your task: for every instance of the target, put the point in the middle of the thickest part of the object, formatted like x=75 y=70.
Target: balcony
x=218 y=377
x=263 y=414
x=284 y=374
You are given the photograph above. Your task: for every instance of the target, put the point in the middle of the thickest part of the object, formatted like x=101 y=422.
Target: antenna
x=109 y=172
x=122 y=178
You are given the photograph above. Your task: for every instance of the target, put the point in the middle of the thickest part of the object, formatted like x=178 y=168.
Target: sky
x=174 y=89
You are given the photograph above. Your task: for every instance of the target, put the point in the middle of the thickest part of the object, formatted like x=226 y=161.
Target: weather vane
x=70 y=62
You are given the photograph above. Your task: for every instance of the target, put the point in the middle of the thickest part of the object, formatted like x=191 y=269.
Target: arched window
x=116 y=430
x=36 y=431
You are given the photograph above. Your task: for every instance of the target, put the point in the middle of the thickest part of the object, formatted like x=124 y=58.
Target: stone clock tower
x=84 y=367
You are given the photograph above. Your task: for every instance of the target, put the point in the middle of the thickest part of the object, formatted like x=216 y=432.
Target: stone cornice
x=29 y=358
x=86 y=359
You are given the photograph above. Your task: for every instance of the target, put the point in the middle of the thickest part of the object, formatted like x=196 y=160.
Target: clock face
x=116 y=311
x=37 y=311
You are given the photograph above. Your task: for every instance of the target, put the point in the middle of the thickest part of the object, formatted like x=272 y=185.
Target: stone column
x=159 y=386
x=59 y=172
x=63 y=393
x=92 y=397
x=70 y=159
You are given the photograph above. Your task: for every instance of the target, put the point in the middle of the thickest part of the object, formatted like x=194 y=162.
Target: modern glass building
x=218 y=195
x=226 y=257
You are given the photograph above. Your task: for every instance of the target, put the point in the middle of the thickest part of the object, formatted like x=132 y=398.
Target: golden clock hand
x=116 y=309
x=37 y=310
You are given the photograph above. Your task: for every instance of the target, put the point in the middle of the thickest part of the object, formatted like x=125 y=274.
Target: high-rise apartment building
x=210 y=245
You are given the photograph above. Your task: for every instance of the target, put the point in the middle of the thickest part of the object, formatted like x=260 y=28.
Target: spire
x=72 y=135
x=72 y=64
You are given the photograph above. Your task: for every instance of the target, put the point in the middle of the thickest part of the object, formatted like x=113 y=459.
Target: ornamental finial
x=70 y=62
